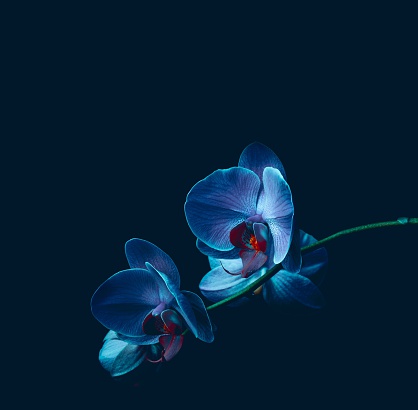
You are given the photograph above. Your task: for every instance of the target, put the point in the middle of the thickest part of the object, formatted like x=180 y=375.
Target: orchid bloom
x=288 y=290
x=247 y=212
x=144 y=307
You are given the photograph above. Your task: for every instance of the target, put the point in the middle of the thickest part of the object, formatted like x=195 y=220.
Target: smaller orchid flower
x=144 y=306
x=288 y=290
x=247 y=212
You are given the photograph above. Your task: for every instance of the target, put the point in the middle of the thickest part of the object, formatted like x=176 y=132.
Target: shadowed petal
x=277 y=211
x=257 y=156
x=154 y=325
x=219 y=202
x=171 y=345
x=119 y=357
x=208 y=251
x=172 y=321
x=168 y=283
x=288 y=290
x=123 y=301
x=293 y=260
x=314 y=263
x=139 y=251
x=203 y=325
x=306 y=239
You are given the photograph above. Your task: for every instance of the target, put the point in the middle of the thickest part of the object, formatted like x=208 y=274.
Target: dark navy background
x=142 y=105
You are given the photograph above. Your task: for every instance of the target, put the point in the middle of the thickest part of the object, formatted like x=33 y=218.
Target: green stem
x=251 y=288
x=256 y=284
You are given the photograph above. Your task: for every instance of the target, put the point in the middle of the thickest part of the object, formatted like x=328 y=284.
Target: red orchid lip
x=167 y=322
x=251 y=237
x=169 y=325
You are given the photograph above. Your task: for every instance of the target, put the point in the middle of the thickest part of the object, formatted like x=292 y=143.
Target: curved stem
x=251 y=288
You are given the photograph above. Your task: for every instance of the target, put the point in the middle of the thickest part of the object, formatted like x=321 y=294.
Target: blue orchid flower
x=290 y=291
x=246 y=212
x=144 y=307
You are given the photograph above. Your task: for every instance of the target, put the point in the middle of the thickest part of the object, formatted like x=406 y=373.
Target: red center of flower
x=251 y=238
x=168 y=322
x=254 y=243
x=169 y=325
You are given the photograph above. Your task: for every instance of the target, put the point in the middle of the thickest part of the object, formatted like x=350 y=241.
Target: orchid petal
x=230 y=265
x=219 y=279
x=168 y=283
x=293 y=260
x=217 y=284
x=171 y=345
x=123 y=301
x=219 y=202
x=196 y=316
x=306 y=239
x=290 y=290
x=313 y=263
x=119 y=357
x=261 y=235
x=208 y=251
x=277 y=211
x=139 y=251
x=258 y=156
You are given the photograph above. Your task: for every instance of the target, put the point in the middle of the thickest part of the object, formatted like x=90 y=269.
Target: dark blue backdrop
x=150 y=111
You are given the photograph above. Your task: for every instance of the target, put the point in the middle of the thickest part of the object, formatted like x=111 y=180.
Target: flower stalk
x=251 y=288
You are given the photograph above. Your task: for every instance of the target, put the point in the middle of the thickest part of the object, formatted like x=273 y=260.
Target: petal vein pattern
x=139 y=251
x=123 y=300
x=257 y=156
x=277 y=211
x=219 y=202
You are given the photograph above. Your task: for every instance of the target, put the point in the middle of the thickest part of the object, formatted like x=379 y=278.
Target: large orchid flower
x=288 y=290
x=143 y=305
x=246 y=212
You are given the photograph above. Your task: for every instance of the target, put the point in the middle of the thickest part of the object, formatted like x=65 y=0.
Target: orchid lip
x=252 y=238
x=250 y=235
